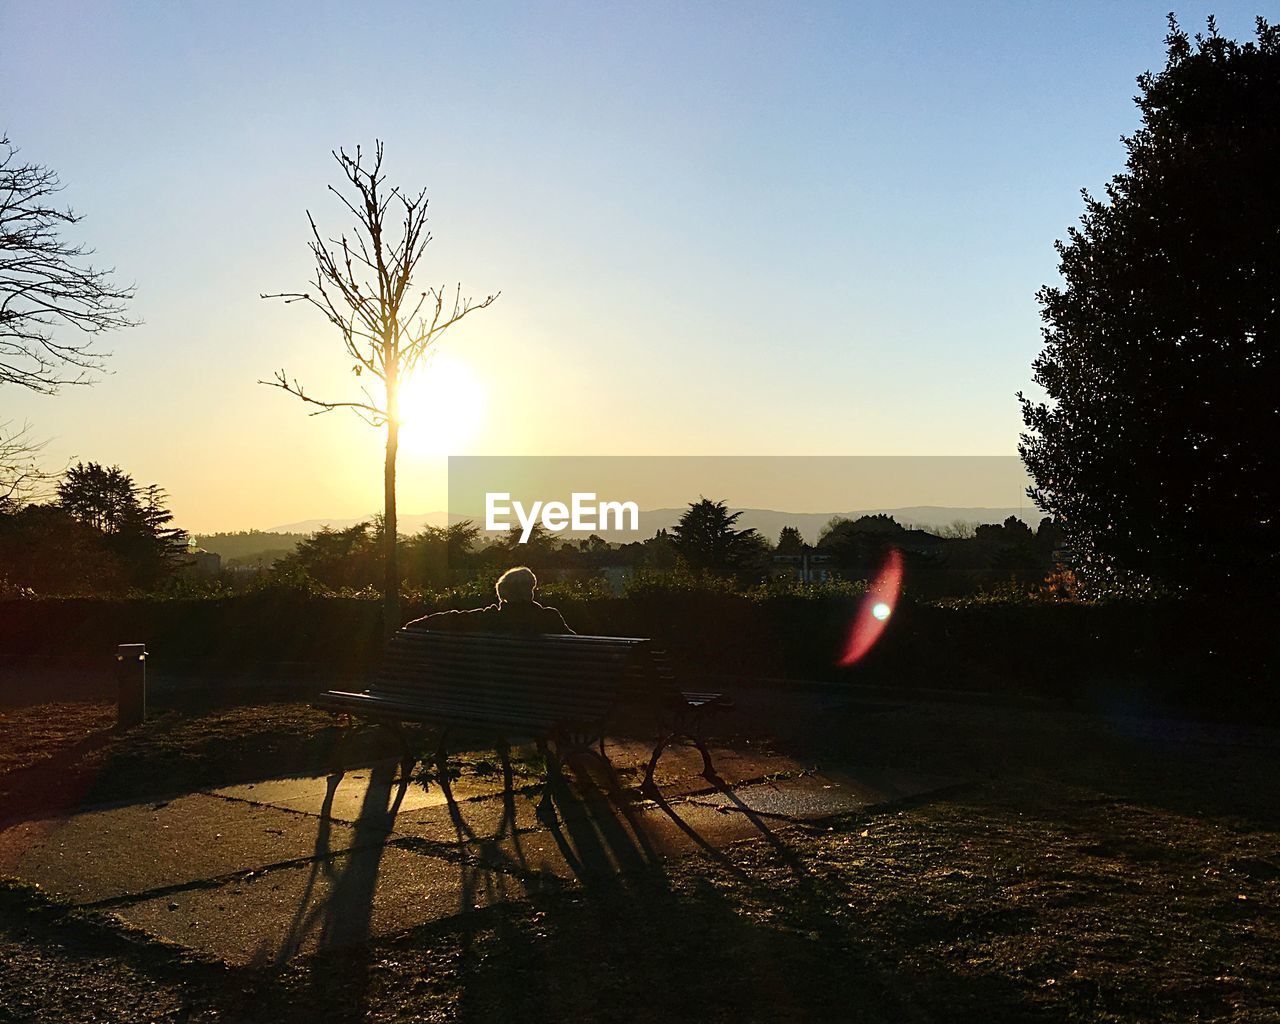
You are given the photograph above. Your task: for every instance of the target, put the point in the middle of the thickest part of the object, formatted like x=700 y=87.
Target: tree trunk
x=391 y=578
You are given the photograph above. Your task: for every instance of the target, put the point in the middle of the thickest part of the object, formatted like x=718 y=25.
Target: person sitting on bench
x=516 y=611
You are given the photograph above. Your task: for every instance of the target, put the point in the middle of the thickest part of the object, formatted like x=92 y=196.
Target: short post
x=131 y=679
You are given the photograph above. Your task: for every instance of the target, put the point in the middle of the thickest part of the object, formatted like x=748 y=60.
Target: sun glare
x=441 y=407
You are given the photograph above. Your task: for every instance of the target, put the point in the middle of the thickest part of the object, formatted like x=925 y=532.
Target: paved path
x=257 y=873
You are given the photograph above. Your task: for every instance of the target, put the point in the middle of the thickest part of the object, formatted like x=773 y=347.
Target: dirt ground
x=1097 y=868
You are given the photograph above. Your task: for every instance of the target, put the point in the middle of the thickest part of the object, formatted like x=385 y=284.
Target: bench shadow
x=577 y=914
x=622 y=936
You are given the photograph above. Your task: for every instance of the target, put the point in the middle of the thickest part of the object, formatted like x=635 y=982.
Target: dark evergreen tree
x=1157 y=448
x=104 y=535
x=707 y=539
x=102 y=498
x=790 y=542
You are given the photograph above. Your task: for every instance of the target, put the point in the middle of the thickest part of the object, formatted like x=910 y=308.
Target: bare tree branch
x=46 y=286
x=20 y=473
x=375 y=416
x=363 y=281
x=363 y=285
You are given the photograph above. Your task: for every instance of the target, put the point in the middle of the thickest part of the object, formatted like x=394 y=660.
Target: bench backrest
x=521 y=679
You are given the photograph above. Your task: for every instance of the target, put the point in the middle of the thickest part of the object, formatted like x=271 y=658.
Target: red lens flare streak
x=876 y=609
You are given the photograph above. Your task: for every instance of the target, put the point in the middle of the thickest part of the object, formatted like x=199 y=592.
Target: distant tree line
x=104 y=534
x=250 y=548
x=706 y=548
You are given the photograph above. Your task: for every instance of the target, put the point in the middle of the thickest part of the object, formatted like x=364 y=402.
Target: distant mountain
x=249 y=547
x=769 y=522
x=405 y=523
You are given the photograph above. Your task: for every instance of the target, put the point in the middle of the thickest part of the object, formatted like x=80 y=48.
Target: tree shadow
x=57 y=784
x=336 y=906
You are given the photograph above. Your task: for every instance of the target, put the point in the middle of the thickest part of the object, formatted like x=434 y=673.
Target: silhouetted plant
x=1157 y=450
x=790 y=542
x=105 y=535
x=708 y=541
x=20 y=472
x=679 y=580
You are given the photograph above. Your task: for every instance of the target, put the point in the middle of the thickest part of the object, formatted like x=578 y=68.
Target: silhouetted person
x=515 y=612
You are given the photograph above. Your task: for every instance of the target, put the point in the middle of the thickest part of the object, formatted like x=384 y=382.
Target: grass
x=1098 y=869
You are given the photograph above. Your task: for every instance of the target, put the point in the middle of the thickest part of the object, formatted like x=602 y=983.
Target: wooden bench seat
x=564 y=691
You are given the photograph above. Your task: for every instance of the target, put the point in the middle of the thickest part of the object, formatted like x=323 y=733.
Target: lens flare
x=877 y=606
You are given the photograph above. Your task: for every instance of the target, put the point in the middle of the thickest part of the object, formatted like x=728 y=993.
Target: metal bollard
x=131 y=678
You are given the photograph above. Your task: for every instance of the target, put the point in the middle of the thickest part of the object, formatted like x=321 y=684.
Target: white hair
x=516 y=584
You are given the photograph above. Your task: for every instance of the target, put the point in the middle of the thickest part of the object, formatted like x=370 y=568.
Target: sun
x=441 y=407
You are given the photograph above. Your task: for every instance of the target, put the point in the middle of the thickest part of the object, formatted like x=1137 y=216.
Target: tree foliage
x=440 y=557
x=104 y=534
x=1156 y=448
x=790 y=542
x=707 y=539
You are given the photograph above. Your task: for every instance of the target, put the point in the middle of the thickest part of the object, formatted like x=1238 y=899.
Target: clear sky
x=718 y=228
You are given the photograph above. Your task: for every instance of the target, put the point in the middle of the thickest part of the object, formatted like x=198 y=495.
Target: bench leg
x=708 y=769
x=346 y=728
x=550 y=754
x=441 y=756
x=698 y=736
x=546 y=809
x=407 y=757
x=648 y=786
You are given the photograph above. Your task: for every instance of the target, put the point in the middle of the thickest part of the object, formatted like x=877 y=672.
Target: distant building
x=617 y=576
x=200 y=563
x=807 y=566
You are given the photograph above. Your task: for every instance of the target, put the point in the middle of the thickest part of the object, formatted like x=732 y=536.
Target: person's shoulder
x=454 y=618
x=552 y=620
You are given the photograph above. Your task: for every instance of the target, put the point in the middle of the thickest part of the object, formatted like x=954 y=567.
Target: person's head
x=516 y=585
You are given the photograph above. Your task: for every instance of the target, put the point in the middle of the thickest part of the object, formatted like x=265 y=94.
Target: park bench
x=563 y=691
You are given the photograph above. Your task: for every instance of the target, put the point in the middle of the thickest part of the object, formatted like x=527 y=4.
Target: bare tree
x=959 y=529
x=20 y=474
x=363 y=284
x=46 y=284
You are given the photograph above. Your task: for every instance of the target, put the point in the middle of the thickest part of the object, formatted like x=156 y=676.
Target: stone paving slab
x=381 y=890
x=121 y=851
x=691 y=827
x=824 y=794
x=363 y=854
x=470 y=820
x=590 y=847
x=324 y=905
x=357 y=795
x=880 y=786
x=680 y=767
